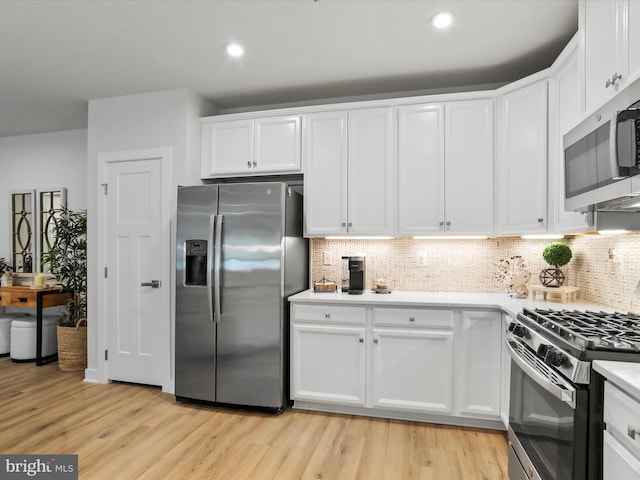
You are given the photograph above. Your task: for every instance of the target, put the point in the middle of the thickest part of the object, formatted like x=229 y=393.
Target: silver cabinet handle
x=375 y=340
x=361 y=340
x=249 y=164
x=540 y=220
x=632 y=432
x=327 y=315
x=255 y=164
x=152 y=284
x=412 y=319
x=612 y=81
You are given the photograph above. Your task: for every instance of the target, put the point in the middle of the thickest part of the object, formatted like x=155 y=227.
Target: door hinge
x=106 y=354
x=105 y=272
x=104 y=185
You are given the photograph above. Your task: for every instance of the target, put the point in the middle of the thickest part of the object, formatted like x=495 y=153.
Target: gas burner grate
x=591 y=330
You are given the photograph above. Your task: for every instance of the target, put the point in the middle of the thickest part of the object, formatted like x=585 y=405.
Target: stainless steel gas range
x=555 y=408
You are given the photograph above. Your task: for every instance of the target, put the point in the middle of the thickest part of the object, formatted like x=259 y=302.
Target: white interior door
x=137 y=261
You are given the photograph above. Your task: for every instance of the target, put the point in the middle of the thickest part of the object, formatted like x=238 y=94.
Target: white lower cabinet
x=621 y=439
x=422 y=361
x=406 y=346
x=329 y=364
x=479 y=357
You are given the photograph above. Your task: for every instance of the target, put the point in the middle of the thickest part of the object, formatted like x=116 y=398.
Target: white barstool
x=23 y=337
x=5 y=331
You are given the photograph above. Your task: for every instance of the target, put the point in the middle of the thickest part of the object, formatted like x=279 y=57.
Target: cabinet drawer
x=417 y=317
x=13 y=299
x=329 y=313
x=622 y=416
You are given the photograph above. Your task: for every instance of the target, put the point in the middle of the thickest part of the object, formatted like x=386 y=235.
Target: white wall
x=168 y=119
x=41 y=161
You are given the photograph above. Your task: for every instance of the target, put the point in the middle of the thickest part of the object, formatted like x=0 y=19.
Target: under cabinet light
x=542 y=236
x=612 y=232
x=450 y=237
x=234 y=49
x=442 y=20
x=349 y=237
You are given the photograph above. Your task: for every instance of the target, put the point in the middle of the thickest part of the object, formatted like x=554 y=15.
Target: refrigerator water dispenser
x=195 y=271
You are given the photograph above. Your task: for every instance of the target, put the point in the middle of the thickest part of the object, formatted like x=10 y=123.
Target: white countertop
x=625 y=375
x=400 y=298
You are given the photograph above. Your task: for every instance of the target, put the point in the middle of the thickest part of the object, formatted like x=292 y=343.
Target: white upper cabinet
x=349 y=161
x=468 y=174
x=325 y=180
x=420 y=169
x=521 y=164
x=445 y=168
x=259 y=146
x=609 y=54
x=564 y=114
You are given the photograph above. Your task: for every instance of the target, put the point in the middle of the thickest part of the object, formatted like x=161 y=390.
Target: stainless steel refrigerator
x=240 y=254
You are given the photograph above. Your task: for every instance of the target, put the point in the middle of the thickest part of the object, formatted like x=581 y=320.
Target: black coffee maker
x=356 y=275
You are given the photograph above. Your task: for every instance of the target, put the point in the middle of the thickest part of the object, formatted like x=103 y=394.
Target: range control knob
x=554 y=357
x=542 y=350
x=519 y=331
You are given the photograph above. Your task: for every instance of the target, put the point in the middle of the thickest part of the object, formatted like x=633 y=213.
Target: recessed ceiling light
x=234 y=49
x=442 y=20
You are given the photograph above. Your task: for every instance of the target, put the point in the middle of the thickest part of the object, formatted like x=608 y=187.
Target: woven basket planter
x=72 y=348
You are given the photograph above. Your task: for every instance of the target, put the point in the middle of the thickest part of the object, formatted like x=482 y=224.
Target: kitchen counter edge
x=625 y=375
x=466 y=300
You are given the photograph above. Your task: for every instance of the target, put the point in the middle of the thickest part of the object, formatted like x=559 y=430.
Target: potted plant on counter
x=556 y=254
x=67 y=260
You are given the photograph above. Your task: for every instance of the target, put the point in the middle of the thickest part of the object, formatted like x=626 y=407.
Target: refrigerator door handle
x=216 y=269
x=210 y=254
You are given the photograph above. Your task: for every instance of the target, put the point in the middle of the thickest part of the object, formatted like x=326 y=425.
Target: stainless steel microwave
x=602 y=154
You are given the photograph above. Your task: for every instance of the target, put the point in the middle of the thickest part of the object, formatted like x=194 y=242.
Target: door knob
x=152 y=284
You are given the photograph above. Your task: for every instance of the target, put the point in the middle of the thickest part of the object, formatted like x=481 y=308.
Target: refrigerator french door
x=240 y=254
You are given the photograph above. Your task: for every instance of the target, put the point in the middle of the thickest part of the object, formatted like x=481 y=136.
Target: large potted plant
x=556 y=254
x=67 y=260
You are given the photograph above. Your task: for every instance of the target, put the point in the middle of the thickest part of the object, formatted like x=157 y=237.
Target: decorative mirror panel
x=49 y=204
x=22 y=230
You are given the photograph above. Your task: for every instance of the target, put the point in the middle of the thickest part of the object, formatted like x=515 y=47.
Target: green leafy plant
x=4 y=266
x=67 y=260
x=557 y=254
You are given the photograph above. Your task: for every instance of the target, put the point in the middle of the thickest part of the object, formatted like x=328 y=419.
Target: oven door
x=546 y=420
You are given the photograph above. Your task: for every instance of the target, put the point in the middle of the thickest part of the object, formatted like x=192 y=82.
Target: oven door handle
x=565 y=392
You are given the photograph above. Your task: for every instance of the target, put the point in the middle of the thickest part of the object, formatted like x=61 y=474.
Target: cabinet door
x=617 y=462
x=633 y=43
x=325 y=174
x=328 y=364
x=277 y=144
x=521 y=168
x=478 y=379
x=413 y=370
x=601 y=50
x=505 y=373
x=227 y=148
x=469 y=167
x=371 y=172
x=564 y=114
x=420 y=169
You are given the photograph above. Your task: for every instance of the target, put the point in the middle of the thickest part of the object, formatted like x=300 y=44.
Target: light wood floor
x=122 y=431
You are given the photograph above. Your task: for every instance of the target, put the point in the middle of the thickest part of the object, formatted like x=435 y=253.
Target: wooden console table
x=26 y=297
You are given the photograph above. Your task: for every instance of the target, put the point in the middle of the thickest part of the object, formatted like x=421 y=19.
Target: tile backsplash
x=606 y=269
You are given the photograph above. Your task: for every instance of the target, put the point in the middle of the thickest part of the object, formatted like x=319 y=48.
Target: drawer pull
x=412 y=319
x=375 y=340
x=361 y=340
x=327 y=315
x=632 y=432
x=23 y=299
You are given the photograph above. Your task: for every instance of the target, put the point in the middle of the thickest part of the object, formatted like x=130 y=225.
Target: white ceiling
x=56 y=55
